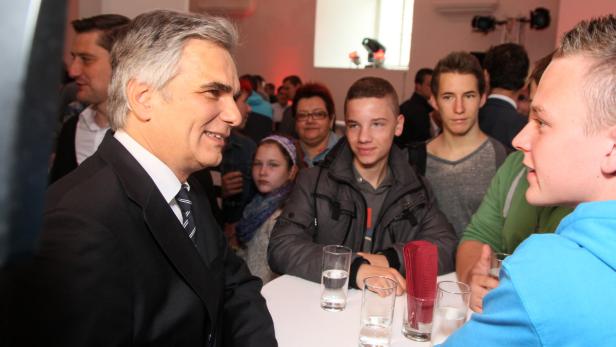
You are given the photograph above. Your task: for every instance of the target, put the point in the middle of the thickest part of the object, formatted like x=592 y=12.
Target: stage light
x=483 y=24
x=539 y=18
x=372 y=46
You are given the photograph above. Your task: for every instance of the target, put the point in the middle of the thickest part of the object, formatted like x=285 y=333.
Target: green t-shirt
x=504 y=218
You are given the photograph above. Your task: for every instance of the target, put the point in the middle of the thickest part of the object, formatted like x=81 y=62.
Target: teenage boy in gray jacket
x=364 y=195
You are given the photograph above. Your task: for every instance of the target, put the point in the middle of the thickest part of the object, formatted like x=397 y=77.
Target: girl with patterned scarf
x=273 y=170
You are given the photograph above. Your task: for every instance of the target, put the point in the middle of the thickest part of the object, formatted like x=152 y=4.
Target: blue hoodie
x=556 y=289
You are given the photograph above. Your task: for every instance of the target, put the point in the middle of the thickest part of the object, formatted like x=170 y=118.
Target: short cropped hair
x=373 y=87
x=461 y=63
x=595 y=39
x=105 y=23
x=507 y=65
x=149 y=49
x=293 y=79
x=310 y=90
x=421 y=74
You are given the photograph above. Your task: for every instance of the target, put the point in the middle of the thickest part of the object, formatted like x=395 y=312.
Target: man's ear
x=432 y=102
x=486 y=77
x=399 y=125
x=608 y=164
x=139 y=97
x=484 y=97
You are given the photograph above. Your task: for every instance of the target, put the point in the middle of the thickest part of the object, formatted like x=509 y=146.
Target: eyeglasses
x=316 y=115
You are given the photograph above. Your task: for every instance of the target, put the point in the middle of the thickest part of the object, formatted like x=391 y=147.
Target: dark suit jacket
x=65 y=160
x=116 y=268
x=416 y=111
x=499 y=119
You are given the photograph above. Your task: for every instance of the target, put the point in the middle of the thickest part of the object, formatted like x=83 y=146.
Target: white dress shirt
x=88 y=135
x=164 y=179
x=504 y=98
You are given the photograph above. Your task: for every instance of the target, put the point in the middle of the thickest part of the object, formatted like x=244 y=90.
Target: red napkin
x=421 y=262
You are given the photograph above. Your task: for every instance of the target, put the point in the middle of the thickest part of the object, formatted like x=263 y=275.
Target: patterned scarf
x=259 y=210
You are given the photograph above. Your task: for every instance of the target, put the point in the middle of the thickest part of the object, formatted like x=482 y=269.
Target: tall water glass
x=377 y=311
x=449 y=309
x=335 y=277
x=497 y=262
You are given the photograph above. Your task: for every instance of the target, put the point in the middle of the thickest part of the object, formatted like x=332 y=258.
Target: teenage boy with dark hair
x=462 y=159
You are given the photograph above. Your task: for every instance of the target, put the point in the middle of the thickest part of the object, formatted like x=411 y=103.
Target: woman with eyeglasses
x=314 y=112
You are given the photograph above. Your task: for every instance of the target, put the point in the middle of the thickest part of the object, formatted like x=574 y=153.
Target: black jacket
x=115 y=268
x=416 y=111
x=327 y=208
x=500 y=120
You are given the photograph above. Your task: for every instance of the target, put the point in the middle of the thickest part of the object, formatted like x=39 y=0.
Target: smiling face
x=311 y=130
x=370 y=129
x=90 y=67
x=191 y=117
x=564 y=163
x=270 y=168
x=458 y=100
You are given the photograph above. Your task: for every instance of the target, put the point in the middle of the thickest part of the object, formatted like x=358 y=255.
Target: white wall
x=129 y=8
x=278 y=38
x=573 y=11
x=278 y=41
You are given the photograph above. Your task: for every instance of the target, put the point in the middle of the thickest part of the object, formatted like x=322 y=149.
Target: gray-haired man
x=130 y=254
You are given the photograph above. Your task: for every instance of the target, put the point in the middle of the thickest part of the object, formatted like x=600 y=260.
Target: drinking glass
x=417 y=318
x=377 y=311
x=450 y=309
x=335 y=277
x=497 y=262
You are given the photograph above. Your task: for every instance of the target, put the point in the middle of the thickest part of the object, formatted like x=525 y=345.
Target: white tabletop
x=299 y=320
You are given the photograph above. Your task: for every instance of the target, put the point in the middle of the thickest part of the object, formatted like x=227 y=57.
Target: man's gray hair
x=596 y=39
x=149 y=49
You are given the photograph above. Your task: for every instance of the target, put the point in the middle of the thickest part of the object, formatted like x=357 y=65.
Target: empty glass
x=377 y=311
x=450 y=309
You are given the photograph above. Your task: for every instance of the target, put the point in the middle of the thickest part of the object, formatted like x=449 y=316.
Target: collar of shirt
x=333 y=139
x=365 y=186
x=504 y=98
x=87 y=116
x=164 y=179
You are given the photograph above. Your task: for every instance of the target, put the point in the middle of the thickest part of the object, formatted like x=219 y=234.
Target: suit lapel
x=180 y=250
x=161 y=222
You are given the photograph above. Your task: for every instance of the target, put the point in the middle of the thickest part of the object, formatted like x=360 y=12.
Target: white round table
x=299 y=320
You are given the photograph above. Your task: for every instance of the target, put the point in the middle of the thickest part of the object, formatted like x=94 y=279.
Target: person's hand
x=232 y=183
x=375 y=259
x=366 y=270
x=229 y=230
x=481 y=281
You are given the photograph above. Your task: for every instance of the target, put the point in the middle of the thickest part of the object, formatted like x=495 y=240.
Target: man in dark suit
x=81 y=134
x=506 y=66
x=123 y=259
x=416 y=111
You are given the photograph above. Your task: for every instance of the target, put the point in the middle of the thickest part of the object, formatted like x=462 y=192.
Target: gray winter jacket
x=332 y=211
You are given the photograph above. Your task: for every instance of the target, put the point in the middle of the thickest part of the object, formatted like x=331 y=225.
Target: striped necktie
x=188 y=220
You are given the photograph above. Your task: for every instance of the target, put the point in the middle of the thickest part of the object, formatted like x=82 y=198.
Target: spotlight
x=372 y=46
x=539 y=18
x=483 y=24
